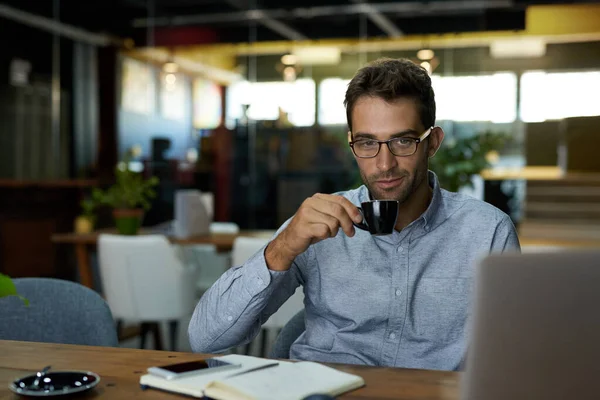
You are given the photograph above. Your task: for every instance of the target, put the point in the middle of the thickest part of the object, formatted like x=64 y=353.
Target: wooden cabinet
x=30 y=212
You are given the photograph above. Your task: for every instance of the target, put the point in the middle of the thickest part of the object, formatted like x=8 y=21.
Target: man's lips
x=388 y=183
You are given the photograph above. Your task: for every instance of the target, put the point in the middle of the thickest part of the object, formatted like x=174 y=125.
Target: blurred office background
x=243 y=99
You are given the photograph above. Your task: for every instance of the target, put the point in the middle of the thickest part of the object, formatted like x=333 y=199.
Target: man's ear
x=436 y=137
x=349 y=136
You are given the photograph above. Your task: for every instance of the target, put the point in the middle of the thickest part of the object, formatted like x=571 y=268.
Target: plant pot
x=83 y=224
x=128 y=221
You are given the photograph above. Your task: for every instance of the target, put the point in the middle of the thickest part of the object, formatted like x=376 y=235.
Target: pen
x=253 y=369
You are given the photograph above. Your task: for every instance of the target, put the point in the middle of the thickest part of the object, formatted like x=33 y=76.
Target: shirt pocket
x=442 y=306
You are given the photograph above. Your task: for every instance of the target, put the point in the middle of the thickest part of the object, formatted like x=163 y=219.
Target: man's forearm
x=278 y=256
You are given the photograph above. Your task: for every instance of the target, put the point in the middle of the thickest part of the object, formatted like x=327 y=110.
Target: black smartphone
x=179 y=370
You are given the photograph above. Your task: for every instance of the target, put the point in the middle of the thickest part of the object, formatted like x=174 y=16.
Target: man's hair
x=391 y=79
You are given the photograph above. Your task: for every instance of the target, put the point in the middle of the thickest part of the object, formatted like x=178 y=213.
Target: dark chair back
x=288 y=335
x=59 y=311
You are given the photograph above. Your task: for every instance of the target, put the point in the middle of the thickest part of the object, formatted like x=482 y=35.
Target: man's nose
x=385 y=159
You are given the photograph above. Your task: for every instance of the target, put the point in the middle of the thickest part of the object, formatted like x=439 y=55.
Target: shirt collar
x=429 y=216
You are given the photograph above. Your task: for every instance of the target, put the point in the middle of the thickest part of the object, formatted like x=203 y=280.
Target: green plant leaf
x=460 y=158
x=130 y=190
x=7 y=288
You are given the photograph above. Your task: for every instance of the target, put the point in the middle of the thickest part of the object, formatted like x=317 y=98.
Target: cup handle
x=361 y=225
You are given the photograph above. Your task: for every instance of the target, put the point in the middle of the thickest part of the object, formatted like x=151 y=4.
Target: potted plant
x=7 y=288
x=129 y=198
x=459 y=159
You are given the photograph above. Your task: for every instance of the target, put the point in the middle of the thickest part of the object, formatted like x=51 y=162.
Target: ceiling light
x=427 y=66
x=170 y=78
x=318 y=55
x=425 y=54
x=518 y=48
x=170 y=67
x=289 y=74
x=289 y=59
x=191 y=155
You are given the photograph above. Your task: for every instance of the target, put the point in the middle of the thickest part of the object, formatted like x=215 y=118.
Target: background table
x=84 y=242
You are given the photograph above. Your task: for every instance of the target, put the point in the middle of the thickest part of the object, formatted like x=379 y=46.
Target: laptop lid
x=535 y=332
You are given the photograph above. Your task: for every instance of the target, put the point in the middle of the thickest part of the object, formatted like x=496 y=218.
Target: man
x=397 y=300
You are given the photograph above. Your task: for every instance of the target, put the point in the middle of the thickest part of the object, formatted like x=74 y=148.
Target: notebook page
x=286 y=382
x=194 y=384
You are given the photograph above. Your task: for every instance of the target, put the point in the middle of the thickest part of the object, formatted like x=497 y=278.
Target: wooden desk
x=120 y=371
x=83 y=242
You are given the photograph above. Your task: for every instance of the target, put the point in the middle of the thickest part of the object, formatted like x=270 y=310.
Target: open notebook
x=287 y=381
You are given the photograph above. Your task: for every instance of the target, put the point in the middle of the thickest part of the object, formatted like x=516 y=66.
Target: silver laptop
x=535 y=332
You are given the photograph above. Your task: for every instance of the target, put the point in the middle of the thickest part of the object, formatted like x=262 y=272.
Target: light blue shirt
x=399 y=300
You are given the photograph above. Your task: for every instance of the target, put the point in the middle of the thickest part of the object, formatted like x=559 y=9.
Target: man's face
x=390 y=177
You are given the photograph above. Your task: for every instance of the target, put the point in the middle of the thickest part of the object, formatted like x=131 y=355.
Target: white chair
x=224 y=228
x=243 y=249
x=210 y=264
x=145 y=282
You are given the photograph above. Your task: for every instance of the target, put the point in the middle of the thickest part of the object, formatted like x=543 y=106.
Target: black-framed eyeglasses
x=398 y=146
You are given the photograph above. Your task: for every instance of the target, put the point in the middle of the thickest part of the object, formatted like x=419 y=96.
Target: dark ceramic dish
x=55 y=383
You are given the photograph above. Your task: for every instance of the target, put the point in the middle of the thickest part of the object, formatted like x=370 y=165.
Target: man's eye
x=404 y=141
x=365 y=144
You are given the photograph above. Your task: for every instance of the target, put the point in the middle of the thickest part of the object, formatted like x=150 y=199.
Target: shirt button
x=229 y=318
x=392 y=336
x=398 y=292
x=400 y=249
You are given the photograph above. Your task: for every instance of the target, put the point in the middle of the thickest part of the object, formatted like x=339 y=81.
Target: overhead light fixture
x=427 y=66
x=191 y=155
x=318 y=55
x=425 y=54
x=170 y=81
x=289 y=59
x=426 y=59
x=170 y=78
x=170 y=67
x=518 y=48
x=289 y=74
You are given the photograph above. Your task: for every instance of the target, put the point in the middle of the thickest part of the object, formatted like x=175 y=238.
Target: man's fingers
x=320 y=231
x=350 y=208
x=332 y=222
x=336 y=210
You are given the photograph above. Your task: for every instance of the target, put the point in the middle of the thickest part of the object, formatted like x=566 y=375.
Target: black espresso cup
x=379 y=216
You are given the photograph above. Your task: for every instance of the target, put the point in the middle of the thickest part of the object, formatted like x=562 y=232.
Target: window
x=458 y=98
x=559 y=95
x=476 y=98
x=138 y=87
x=331 y=101
x=265 y=98
x=173 y=96
x=207 y=104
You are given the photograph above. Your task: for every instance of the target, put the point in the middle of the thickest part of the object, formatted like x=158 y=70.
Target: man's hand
x=318 y=218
